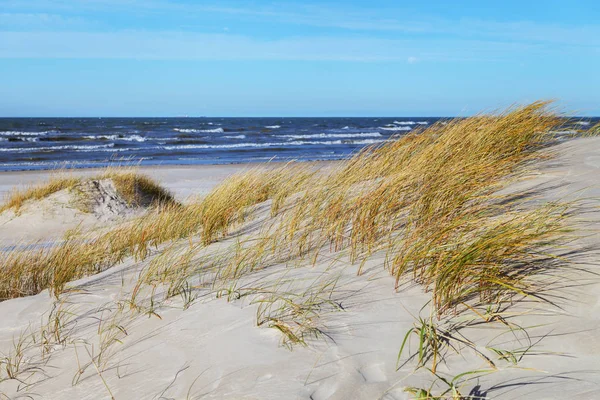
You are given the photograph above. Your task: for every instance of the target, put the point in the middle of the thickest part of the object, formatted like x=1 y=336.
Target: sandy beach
x=299 y=200
x=217 y=347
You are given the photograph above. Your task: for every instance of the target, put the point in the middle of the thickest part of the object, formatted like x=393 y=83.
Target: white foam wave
x=346 y=127
x=331 y=135
x=18 y=133
x=411 y=123
x=273 y=126
x=395 y=128
x=131 y=138
x=271 y=144
x=55 y=148
x=584 y=123
x=235 y=137
x=182 y=130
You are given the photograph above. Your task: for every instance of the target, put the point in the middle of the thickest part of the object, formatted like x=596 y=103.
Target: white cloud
x=199 y=46
x=412 y=60
x=369 y=19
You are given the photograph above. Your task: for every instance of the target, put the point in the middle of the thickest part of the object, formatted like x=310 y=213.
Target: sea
x=49 y=143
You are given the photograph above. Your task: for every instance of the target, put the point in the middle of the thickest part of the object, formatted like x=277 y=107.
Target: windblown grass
x=230 y=201
x=81 y=254
x=17 y=197
x=428 y=199
x=136 y=188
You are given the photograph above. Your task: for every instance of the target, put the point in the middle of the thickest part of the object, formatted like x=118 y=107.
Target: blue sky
x=303 y=58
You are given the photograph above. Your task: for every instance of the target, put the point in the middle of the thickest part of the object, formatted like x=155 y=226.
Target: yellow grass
x=17 y=197
x=229 y=202
x=135 y=188
x=427 y=199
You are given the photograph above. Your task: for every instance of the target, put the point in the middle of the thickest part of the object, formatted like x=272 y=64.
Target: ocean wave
x=395 y=128
x=185 y=130
x=273 y=126
x=331 y=135
x=410 y=123
x=270 y=144
x=131 y=138
x=584 y=123
x=56 y=148
x=19 y=133
x=215 y=130
x=346 y=127
x=235 y=137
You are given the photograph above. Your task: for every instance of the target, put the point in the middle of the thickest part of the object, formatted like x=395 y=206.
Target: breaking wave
x=185 y=130
x=331 y=135
x=18 y=133
x=56 y=148
x=395 y=128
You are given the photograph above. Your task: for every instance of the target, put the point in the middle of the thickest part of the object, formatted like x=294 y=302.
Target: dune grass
x=434 y=202
x=82 y=254
x=428 y=199
x=17 y=197
x=230 y=201
x=135 y=187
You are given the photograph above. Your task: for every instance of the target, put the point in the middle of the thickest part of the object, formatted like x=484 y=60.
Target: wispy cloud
x=343 y=17
x=198 y=46
x=66 y=29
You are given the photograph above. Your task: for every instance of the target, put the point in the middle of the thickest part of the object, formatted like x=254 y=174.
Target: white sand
x=214 y=349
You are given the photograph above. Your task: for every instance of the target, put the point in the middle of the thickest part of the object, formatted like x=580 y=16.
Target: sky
x=74 y=58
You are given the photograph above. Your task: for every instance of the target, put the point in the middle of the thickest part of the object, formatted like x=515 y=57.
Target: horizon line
x=266 y=116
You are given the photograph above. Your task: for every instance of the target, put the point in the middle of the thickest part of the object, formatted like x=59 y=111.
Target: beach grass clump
x=428 y=200
x=434 y=192
x=297 y=314
x=137 y=189
x=230 y=202
x=17 y=197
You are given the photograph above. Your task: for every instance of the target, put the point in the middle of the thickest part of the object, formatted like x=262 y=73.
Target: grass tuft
x=17 y=197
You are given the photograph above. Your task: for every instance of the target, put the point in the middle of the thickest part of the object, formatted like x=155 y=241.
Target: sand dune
x=209 y=347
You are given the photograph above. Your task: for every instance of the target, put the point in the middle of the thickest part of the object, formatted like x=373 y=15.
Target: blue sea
x=45 y=143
